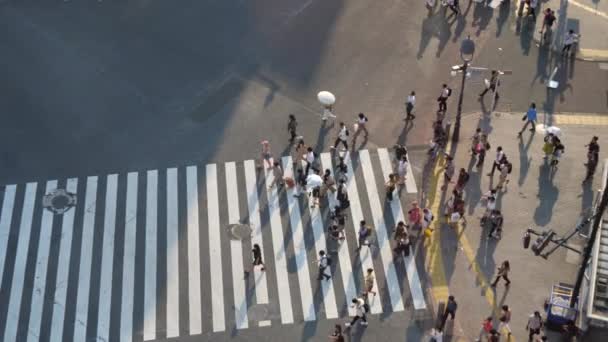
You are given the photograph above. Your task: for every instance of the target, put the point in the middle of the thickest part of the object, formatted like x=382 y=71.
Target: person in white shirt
x=402 y=169
x=570 y=39
x=342 y=137
x=409 y=106
x=361 y=123
x=309 y=157
x=328 y=113
x=323 y=264
x=360 y=307
x=500 y=155
x=443 y=98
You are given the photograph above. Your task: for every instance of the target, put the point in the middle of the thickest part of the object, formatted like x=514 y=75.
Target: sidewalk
x=586 y=17
x=531 y=199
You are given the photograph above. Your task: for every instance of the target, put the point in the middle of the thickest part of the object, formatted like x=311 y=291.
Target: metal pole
x=589 y=248
x=456 y=132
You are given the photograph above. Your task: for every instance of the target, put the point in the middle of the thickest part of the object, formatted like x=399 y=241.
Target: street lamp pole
x=467 y=50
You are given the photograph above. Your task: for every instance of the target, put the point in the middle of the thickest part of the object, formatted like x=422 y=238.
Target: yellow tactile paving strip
x=589 y=120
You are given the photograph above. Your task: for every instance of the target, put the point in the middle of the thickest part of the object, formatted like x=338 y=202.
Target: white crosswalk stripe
x=176 y=268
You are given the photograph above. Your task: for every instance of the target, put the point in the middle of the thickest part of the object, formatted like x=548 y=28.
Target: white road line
x=279 y=252
x=128 y=273
x=357 y=216
x=63 y=267
x=172 y=255
x=327 y=286
x=410 y=262
x=194 y=254
x=308 y=305
x=151 y=258
x=261 y=286
x=348 y=279
x=25 y=230
x=236 y=250
x=410 y=180
x=392 y=282
x=215 y=252
x=86 y=259
x=42 y=263
x=5 y=223
x=107 y=260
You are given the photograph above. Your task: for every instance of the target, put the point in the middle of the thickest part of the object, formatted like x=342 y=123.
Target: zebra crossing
x=149 y=255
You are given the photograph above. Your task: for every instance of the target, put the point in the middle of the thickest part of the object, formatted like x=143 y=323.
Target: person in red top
x=486 y=328
x=415 y=215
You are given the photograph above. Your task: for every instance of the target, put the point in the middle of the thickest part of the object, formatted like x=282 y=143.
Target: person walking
x=369 y=283
x=361 y=127
x=414 y=215
x=443 y=98
x=529 y=118
x=329 y=184
x=324 y=263
x=257 y=258
x=361 y=309
x=363 y=234
x=300 y=181
x=503 y=272
x=593 y=152
x=500 y=157
x=535 y=323
x=570 y=39
x=409 y=106
x=505 y=318
x=292 y=124
x=390 y=186
x=486 y=327
x=491 y=85
x=454 y=6
x=450 y=310
x=342 y=194
x=504 y=169
x=266 y=154
x=548 y=145
x=483 y=146
x=342 y=137
x=278 y=178
x=402 y=169
x=448 y=172
x=427 y=218
x=558 y=150
x=341 y=169
x=309 y=157
x=299 y=153
x=337 y=336
x=475 y=142
x=548 y=20
x=532 y=4
x=463 y=179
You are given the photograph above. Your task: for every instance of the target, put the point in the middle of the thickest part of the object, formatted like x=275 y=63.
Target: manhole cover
x=239 y=231
x=59 y=201
x=258 y=312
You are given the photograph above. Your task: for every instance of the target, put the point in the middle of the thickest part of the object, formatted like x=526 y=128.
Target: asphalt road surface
x=107 y=94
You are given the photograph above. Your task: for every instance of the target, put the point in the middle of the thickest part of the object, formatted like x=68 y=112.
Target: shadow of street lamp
x=467 y=50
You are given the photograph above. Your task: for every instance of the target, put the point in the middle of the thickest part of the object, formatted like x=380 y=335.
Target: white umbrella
x=326 y=98
x=554 y=130
x=313 y=181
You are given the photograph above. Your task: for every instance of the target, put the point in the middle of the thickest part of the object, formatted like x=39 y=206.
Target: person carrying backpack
x=362 y=309
x=446 y=92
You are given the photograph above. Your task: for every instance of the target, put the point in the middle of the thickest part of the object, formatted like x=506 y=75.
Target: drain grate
x=239 y=231
x=59 y=201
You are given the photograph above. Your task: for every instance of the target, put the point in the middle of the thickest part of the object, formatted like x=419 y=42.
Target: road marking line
x=308 y=306
x=346 y=268
x=388 y=261
x=434 y=259
x=63 y=268
x=172 y=256
x=194 y=253
x=128 y=281
x=588 y=9
x=327 y=286
x=397 y=210
x=151 y=257
x=279 y=251
x=261 y=286
x=215 y=252
x=5 y=223
x=357 y=215
x=236 y=250
x=42 y=263
x=25 y=230
x=410 y=181
x=591 y=120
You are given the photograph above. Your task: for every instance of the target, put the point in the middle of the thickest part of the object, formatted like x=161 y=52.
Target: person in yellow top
x=369 y=282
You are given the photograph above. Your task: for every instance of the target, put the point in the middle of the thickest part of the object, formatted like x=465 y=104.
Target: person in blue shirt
x=530 y=118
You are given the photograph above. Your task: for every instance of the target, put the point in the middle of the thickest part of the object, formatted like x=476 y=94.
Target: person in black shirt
x=593 y=152
x=548 y=21
x=257 y=258
x=337 y=336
